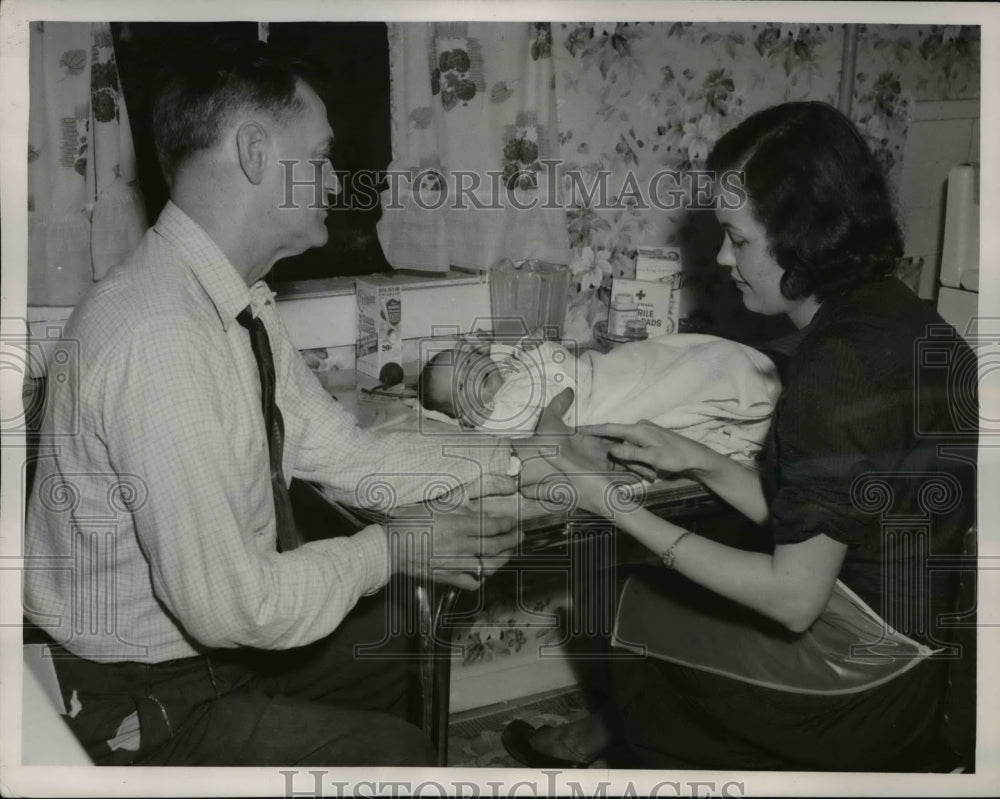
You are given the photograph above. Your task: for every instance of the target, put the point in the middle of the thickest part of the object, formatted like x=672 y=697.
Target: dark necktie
x=288 y=537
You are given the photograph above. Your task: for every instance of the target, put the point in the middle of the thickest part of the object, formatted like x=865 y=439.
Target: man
x=184 y=636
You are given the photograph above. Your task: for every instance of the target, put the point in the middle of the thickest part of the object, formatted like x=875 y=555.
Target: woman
x=817 y=654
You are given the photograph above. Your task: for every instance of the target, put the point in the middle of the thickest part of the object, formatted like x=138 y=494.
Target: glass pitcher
x=528 y=297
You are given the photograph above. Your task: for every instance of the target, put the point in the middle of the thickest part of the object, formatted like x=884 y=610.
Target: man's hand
x=552 y=437
x=555 y=441
x=603 y=492
x=556 y=454
x=551 y=421
x=458 y=547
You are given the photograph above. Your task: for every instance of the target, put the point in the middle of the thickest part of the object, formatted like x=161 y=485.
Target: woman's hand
x=648 y=447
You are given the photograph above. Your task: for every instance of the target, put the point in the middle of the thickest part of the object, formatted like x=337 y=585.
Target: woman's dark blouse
x=874 y=445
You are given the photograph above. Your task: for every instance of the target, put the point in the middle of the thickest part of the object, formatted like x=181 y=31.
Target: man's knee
x=383 y=740
x=409 y=746
x=250 y=728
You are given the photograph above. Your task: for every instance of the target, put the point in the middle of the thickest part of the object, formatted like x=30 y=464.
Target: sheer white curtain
x=473 y=121
x=85 y=210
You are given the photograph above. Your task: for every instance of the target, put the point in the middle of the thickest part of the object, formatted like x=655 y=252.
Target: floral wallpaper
x=898 y=65
x=636 y=98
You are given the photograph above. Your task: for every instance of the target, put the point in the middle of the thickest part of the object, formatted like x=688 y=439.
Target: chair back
x=958 y=722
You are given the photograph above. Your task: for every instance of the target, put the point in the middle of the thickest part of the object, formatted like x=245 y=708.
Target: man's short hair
x=194 y=100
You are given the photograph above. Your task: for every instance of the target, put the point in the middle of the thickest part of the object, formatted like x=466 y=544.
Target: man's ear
x=250 y=145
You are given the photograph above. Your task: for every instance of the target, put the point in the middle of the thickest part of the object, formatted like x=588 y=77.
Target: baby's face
x=466 y=379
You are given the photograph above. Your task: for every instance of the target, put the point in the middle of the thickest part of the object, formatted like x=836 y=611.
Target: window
x=354 y=56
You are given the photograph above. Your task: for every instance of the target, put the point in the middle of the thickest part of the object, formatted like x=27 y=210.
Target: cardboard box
x=657 y=302
x=656 y=263
x=380 y=315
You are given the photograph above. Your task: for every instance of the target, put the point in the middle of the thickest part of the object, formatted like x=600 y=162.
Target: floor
x=474 y=736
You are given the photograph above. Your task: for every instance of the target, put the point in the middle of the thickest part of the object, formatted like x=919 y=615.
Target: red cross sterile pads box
x=656 y=301
x=656 y=263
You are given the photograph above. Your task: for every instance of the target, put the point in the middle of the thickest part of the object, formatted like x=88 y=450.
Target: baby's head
x=461 y=383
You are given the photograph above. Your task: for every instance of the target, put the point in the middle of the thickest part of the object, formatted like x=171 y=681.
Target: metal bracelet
x=669 y=556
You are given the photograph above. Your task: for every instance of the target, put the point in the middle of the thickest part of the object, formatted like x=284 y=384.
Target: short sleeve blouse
x=857 y=434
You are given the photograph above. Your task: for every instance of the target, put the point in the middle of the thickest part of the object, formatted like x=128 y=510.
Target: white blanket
x=710 y=389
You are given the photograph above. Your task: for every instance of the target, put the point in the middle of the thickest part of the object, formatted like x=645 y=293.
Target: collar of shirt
x=217 y=276
x=260 y=295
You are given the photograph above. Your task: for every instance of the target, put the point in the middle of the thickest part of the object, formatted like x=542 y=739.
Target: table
x=551 y=534
x=576 y=540
x=551 y=538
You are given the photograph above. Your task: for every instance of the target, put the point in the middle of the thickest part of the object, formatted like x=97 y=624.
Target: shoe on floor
x=516 y=739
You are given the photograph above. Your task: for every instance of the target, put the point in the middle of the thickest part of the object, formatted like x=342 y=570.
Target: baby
x=711 y=389
x=495 y=387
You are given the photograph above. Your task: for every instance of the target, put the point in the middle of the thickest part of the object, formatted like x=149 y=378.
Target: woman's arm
x=735 y=483
x=667 y=452
x=791 y=586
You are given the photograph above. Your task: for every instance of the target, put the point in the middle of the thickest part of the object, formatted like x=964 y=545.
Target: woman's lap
x=673 y=716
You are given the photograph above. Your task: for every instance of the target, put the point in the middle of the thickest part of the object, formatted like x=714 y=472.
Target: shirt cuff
x=497 y=477
x=369 y=551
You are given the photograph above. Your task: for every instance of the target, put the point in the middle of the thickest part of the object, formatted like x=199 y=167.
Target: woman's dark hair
x=820 y=194
x=194 y=99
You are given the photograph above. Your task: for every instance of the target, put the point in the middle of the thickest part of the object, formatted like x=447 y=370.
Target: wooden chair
x=956 y=750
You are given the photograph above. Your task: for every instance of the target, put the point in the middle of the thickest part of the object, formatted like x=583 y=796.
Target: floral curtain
x=473 y=121
x=85 y=210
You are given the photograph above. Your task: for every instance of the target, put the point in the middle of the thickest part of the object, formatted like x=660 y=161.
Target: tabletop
x=544 y=522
